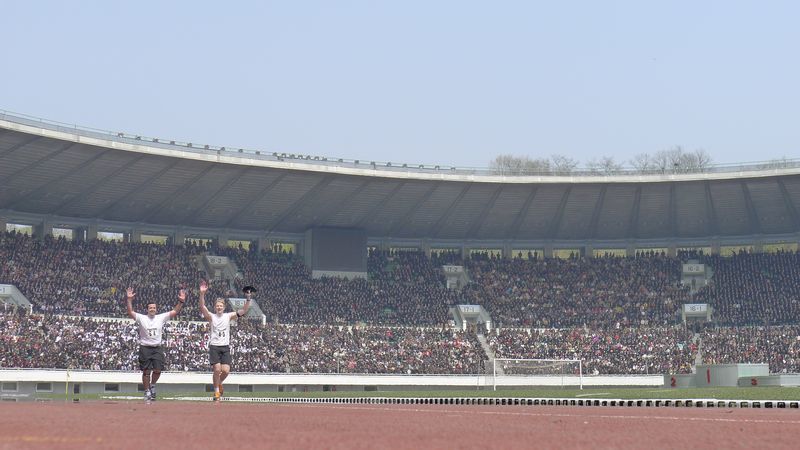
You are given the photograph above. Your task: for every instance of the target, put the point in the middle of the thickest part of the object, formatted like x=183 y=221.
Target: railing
x=383 y=166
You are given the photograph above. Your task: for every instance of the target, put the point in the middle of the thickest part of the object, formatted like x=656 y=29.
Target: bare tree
x=643 y=163
x=689 y=162
x=673 y=160
x=703 y=159
x=519 y=165
x=661 y=162
x=605 y=165
x=563 y=165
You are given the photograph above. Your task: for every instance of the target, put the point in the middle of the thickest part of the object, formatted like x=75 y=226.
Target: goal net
x=535 y=372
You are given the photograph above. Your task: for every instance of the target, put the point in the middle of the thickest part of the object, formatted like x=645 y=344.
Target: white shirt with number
x=220 y=329
x=150 y=330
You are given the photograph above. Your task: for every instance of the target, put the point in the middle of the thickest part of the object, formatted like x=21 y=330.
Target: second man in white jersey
x=219 y=351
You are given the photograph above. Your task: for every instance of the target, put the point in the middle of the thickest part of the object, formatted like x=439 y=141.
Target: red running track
x=174 y=425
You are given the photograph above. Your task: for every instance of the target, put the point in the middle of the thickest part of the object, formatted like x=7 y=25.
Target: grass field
x=722 y=393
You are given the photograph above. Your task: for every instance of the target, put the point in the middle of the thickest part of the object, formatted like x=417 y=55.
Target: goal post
x=535 y=372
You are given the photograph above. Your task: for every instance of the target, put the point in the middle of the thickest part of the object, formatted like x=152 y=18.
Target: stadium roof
x=51 y=169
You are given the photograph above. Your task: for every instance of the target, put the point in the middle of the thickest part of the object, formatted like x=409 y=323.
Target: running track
x=174 y=425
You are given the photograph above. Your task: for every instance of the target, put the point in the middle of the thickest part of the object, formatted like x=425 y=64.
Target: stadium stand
x=754 y=288
x=597 y=292
x=778 y=345
x=640 y=350
x=86 y=278
x=618 y=314
x=49 y=341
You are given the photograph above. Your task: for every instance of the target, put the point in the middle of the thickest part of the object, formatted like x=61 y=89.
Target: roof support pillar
x=180 y=237
x=85 y=233
x=45 y=228
x=222 y=239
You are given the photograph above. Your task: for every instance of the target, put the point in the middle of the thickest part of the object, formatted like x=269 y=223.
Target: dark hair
x=150 y=303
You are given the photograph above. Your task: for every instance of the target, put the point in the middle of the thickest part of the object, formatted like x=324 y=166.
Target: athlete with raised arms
x=151 y=329
x=219 y=351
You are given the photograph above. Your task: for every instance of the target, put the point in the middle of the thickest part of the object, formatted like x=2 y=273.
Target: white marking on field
x=4 y=395
x=594 y=394
x=121 y=397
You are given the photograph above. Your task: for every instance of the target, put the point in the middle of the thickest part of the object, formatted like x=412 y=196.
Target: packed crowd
x=89 y=278
x=559 y=293
x=402 y=289
x=408 y=288
x=754 y=288
x=51 y=341
x=777 y=345
x=643 y=350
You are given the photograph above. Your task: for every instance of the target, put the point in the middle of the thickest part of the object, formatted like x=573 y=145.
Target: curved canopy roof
x=73 y=173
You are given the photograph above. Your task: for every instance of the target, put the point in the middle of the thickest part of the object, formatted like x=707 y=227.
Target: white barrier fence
x=445 y=381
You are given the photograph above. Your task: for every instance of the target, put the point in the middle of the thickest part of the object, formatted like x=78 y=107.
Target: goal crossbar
x=543 y=372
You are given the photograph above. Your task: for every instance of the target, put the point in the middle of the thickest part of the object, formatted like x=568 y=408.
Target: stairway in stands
x=489 y=353
x=698 y=359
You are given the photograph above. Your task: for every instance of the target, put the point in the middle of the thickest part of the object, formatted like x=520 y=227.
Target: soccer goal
x=535 y=372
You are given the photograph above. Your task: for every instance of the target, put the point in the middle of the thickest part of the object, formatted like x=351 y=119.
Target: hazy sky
x=434 y=82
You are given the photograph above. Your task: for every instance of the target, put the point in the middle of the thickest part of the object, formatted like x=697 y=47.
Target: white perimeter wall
x=467 y=381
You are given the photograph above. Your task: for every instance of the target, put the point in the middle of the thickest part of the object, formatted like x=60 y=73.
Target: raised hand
x=130 y=293
x=203 y=286
x=182 y=295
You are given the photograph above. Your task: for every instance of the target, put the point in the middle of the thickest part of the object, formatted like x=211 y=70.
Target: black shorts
x=151 y=358
x=219 y=354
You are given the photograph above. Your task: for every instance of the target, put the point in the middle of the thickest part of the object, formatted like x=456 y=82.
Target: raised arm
x=245 y=308
x=129 y=294
x=179 y=305
x=203 y=309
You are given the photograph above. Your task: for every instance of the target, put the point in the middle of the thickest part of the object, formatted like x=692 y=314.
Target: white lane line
x=532 y=414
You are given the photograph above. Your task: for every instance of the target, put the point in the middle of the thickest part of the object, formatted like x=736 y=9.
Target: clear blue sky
x=435 y=82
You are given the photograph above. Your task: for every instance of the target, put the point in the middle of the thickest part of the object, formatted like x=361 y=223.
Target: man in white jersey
x=219 y=350
x=151 y=327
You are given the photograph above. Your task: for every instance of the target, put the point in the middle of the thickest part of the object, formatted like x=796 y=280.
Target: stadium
x=389 y=283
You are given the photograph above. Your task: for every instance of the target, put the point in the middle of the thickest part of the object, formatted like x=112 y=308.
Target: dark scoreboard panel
x=339 y=249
